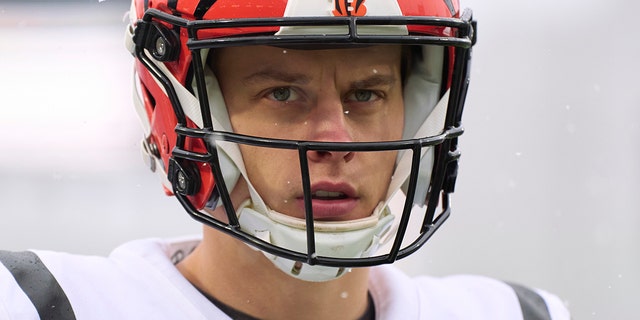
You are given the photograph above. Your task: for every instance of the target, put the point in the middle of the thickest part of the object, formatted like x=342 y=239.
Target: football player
x=317 y=142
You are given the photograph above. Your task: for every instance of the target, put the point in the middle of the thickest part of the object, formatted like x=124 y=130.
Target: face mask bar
x=429 y=226
x=154 y=41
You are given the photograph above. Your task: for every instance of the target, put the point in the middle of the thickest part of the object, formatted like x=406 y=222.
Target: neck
x=244 y=279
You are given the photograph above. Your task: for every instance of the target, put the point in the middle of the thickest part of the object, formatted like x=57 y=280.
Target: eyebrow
x=374 y=81
x=272 y=74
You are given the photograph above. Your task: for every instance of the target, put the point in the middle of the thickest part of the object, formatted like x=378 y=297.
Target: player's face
x=336 y=95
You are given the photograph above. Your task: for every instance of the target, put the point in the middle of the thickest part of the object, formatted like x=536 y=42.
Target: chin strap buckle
x=150 y=153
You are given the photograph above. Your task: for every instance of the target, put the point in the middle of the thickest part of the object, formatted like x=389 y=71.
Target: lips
x=331 y=201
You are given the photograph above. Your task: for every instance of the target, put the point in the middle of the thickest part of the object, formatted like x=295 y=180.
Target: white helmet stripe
x=306 y=8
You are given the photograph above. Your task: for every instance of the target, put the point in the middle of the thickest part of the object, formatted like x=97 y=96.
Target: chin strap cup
x=350 y=243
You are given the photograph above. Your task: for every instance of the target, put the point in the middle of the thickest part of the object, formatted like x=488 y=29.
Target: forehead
x=250 y=58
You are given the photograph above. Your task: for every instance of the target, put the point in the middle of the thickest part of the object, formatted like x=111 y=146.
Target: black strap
x=532 y=304
x=38 y=284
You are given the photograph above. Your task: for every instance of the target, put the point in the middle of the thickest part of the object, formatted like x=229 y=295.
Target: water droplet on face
x=284 y=51
x=344 y=295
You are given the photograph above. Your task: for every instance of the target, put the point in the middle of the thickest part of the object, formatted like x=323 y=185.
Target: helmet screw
x=182 y=181
x=163 y=43
x=161 y=47
x=185 y=180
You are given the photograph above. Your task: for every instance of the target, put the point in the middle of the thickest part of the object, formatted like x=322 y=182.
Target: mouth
x=331 y=201
x=328 y=195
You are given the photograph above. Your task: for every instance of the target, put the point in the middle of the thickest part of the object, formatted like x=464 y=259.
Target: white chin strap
x=335 y=239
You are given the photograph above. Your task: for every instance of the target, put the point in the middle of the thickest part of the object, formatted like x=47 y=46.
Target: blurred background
x=549 y=187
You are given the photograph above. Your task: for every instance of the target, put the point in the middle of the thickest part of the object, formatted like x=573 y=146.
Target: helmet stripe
x=173 y=4
x=202 y=8
x=451 y=7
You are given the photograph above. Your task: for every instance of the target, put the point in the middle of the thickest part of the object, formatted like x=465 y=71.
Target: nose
x=322 y=156
x=329 y=123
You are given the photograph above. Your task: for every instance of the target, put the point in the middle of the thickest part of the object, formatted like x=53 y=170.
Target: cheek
x=388 y=124
x=271 y=171
x=384 y=164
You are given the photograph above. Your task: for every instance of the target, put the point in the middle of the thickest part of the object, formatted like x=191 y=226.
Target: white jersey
x=139 y=280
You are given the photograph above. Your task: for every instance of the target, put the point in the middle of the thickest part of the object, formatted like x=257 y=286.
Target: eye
x=280 y=94
x=362 y=95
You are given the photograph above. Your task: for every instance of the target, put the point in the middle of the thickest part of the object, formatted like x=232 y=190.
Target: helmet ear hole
x=163 y=43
